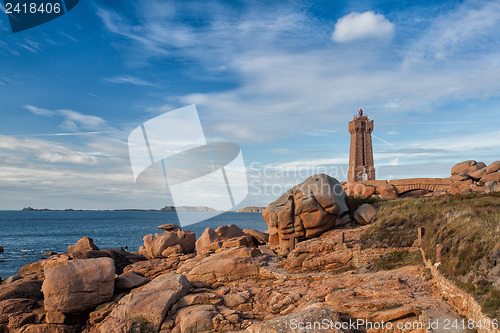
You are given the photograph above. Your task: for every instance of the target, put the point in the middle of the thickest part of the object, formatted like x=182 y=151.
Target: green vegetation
x=467 y=227
x=395 y=260
x=144 y=324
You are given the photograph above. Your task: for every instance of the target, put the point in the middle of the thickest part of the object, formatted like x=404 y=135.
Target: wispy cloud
x=461 y=32
x=39 y=111
x=46 y=151
x=287 y=66
x=128 y=79
x=72 y=120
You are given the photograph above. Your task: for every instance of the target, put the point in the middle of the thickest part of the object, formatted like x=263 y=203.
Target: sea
x=27 y=235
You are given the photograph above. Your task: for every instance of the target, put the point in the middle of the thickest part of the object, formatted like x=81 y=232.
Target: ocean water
x=26 y=235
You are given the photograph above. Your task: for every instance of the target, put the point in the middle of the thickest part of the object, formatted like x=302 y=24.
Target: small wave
x=30 y=250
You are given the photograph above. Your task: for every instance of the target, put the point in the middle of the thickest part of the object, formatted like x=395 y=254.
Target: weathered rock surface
x=48 y=328
x=493 y=167
x=28 y=287
x=155 y=267
x=197 y=318
x=208 y=237
x=306 y=210
x=229 y=265
x=226 y=232
x=387 y=191
x=16 y=305
x=154 y=246
x=33 y=268
x=261 y=237
x=306 y=318
x=83 y=245
x=365 y=214
x=130 y=280
x=460 y=177
x=169 y=227
x=358 y=190
x=149 y=303
x=495 y=176
x=492 y=186
x=78 y=285
x=466 y=167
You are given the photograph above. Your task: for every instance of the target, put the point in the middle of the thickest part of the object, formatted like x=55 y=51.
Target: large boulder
x=261 y=237
x=196 y=318
x=358 y=190
x=28 y=287
x=157 y=246
x=78 y=285
x=478 y=174
x=365 y=214
x=491 y=186
x=208 y=237
x=493 y=167
x=460 y=177
x=466 y=167
x=130 y=280
x=149 y=304
x=83 y=245
x=387 y=191
x=226 y=232
x=169 y=227
x=495 y=176
x=306 y=210
x=229 y=265
x=33 y=268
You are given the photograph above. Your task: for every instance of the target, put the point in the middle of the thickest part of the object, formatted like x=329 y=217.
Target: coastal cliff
x=356 y=275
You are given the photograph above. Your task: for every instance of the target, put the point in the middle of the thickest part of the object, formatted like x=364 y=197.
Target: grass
x=395 y=260
x=467 y=227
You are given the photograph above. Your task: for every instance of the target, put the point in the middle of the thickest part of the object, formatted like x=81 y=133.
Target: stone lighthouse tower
x=361 y=153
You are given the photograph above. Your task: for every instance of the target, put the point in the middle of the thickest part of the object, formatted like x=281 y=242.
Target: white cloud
x=45 y=151
x=367 y=25
x=73 y=120
x=39 y=111
x=76 y=119
x=128 y=79
x=463 y=31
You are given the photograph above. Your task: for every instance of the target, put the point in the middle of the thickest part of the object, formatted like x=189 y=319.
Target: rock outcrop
x=208 y=237
x=261 y=237
x=303 y=321
x=229 y=265
x=477 y=172
x=387 y=191
x=83 y=245
x=365 y=214
x=78 y=285
x=305 y=211
x=173 y=242
x=149 y=304
x=359 y=190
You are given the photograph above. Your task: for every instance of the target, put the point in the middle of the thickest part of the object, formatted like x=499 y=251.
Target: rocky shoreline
x=309 y=268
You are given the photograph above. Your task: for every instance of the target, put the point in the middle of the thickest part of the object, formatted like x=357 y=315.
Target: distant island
x=201 y=209
x=251 y=209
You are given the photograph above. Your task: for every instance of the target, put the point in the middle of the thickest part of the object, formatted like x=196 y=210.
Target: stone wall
x=463 y=303
x=363 y=257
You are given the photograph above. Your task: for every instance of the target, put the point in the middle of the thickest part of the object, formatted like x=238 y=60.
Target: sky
x=281 y=79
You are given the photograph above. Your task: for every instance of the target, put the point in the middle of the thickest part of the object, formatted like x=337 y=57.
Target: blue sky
x=282 y=79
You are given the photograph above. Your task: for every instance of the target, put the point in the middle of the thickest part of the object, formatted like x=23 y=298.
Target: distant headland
x=199 y=209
